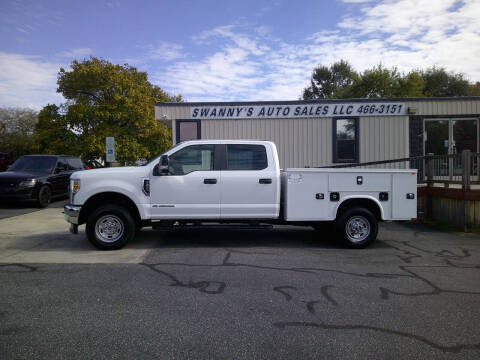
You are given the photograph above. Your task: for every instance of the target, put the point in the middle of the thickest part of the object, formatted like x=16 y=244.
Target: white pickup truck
x=235 y=182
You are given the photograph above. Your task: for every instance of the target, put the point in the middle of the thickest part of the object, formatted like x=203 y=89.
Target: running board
x=159 y=226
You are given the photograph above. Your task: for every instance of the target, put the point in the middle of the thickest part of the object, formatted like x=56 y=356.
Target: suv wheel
x=357 y=227
x=110 y=227
x=44 y=196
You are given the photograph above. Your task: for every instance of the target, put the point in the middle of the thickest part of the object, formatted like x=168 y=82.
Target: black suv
x=39 y=178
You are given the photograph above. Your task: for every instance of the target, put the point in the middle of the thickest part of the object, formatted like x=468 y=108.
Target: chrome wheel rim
x=109 y=228
x=358 y=229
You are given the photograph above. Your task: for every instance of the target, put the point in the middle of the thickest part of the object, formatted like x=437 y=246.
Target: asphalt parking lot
x=286 y=293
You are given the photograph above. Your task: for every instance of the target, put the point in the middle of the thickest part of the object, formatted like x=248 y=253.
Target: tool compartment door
x=306 y=196
x=402 y=207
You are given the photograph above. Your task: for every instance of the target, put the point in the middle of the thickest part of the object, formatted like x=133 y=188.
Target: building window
x=246 y=157
x=187 y=130
x=345 y=140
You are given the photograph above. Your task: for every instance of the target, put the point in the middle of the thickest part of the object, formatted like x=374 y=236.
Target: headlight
x=28 y=183
x=74 y=185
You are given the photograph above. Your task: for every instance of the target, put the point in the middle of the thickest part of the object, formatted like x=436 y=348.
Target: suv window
x=34 y=164
x=62 y=164
x=74 y=164
x=246 y=157
x=191 y=158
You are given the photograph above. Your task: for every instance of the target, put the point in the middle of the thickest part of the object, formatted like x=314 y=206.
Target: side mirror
x=58 y=170
x=163 y=165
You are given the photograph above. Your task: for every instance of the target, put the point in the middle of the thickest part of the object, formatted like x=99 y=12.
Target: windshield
x=44 y=164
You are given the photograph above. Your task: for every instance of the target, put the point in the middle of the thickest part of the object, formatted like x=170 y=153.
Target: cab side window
x=191 y=158
x=246 y=157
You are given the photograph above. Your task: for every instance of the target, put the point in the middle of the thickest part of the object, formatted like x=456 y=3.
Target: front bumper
x=72 y=213
x=18 y=194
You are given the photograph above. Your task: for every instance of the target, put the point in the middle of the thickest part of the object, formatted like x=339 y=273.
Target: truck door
x=249 y=183
x=192 y=188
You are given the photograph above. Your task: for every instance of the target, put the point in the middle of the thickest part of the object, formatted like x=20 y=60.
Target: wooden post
x=466 y=164
x=429 y=165
x=466 y=155
x=428 y=202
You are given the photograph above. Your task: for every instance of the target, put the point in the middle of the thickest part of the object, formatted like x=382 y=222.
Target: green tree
x=16 y=130
x=474 y=89
x=410 y=85
x=53 y=135
x=104 y=99
x=380 y=82
x=335 y=81
x=341 y=81
x=441 y=83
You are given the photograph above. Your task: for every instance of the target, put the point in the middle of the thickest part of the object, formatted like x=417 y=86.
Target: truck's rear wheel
x=357 y=227
x=110 y=227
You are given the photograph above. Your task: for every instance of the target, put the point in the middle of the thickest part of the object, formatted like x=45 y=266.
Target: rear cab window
x=246 y=157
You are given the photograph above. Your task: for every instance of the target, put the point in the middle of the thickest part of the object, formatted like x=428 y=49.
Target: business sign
x=297 y=111
x=110 y=149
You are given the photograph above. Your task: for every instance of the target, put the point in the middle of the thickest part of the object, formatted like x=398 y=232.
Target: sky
x=229 y=50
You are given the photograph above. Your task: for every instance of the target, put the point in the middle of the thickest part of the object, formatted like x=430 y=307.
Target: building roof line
x=322 y=101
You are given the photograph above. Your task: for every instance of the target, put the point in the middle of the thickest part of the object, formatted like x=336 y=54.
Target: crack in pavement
x=408 y=273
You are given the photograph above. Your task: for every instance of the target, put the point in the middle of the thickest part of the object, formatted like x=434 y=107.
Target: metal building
x=326 y=132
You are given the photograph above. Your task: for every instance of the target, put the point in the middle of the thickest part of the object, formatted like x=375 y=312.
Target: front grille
x=7 y=188
x=7 y=183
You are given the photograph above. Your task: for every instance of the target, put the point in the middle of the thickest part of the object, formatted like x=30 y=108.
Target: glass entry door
x=464 y=135
x=450 y=136
x=437 y=137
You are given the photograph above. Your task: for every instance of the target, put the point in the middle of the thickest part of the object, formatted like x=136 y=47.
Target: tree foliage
x=474 y=89
x=340 y=80
x=335 y=81
x=440 y=83
x=16 y=130
x=104 y=99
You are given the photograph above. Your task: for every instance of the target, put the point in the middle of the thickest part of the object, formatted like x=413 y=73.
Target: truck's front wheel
x=357 y=227
x=110 y=227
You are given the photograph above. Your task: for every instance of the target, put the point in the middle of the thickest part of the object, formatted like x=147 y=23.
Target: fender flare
x=361 y=197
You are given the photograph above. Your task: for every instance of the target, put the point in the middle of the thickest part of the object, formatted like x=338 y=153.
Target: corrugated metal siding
x=383 y=138
x=172 y=112
x=308 y=142
x=300 y=142
x=451 y=107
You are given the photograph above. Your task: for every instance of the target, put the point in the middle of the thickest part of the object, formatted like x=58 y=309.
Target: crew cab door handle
x=209 y=181
x=265 y=181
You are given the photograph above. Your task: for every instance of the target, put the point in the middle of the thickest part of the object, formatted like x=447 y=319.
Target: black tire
x=44 y=196
x=115 y=227
x=356 y=227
